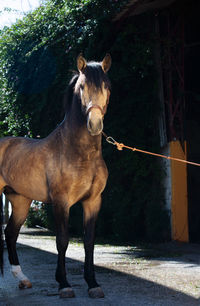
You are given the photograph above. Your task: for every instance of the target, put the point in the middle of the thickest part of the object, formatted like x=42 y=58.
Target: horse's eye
x=81 y=86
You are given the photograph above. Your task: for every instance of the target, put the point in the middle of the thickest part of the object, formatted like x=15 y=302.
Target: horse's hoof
x=96 y=293
x=66 y=293
x=24 y=284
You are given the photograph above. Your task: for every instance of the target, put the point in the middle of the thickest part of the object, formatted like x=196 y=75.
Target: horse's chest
x=76 y=181
x=79 y=182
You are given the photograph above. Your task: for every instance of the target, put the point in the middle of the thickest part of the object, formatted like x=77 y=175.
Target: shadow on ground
x=121 y=286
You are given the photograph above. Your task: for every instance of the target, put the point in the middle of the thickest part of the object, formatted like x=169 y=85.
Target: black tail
x=1 y=234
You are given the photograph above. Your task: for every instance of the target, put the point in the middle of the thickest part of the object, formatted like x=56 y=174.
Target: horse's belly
x=31 y=185
x=34 y=193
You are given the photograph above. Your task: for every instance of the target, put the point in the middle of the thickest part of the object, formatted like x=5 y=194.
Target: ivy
x=38 y=54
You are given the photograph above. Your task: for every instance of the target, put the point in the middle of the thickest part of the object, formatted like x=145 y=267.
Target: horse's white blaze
x=17 y=272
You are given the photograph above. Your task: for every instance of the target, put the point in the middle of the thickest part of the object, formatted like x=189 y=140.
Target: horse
x=64 y=168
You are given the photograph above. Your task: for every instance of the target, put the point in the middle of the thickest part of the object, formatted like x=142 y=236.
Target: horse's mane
x=68 y=97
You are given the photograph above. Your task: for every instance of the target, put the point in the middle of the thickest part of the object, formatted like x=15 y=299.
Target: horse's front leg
x=61 y=212
x=91 y=209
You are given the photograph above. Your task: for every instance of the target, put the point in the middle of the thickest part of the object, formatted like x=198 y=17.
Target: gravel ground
x=166 y=274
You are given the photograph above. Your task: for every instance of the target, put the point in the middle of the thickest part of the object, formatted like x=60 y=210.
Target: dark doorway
x=192 y=88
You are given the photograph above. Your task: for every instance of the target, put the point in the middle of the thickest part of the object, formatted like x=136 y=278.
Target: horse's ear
x=81 y=63
x=106 y=63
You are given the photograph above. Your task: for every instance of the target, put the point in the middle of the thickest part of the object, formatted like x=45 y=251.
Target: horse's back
x=12 y=143
x=14 y=149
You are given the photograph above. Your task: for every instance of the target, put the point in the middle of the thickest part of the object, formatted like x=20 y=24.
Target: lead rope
x=120 y=147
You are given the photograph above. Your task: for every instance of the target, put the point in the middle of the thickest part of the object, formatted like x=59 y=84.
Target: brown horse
x=62 y=169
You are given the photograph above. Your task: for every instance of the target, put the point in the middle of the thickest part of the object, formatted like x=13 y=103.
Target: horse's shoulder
x=101 y=170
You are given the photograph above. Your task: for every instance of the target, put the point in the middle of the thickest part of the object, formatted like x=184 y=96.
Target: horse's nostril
x=100 y=125
x=90 y=125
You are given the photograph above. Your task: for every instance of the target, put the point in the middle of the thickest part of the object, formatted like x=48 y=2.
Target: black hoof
x=96 y=293
x=66 y=293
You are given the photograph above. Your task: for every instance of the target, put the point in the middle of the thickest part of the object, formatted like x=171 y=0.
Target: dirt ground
x=165 y=274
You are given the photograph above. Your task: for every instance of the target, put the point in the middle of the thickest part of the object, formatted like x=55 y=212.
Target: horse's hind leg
x=20 y=208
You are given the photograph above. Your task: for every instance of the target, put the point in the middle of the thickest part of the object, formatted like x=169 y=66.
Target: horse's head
x=93 y=86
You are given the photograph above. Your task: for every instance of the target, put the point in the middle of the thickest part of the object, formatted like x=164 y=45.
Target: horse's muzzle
x=95 y=127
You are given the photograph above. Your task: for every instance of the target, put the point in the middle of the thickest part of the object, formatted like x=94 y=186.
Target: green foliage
x=37 y=216
x=37 y=57
x=40 y=215
x=134 y=197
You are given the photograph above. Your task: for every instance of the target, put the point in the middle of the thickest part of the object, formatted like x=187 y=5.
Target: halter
x=91 y=106
x=102 y=110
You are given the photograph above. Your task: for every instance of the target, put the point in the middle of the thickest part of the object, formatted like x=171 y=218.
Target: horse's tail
x=1 y=234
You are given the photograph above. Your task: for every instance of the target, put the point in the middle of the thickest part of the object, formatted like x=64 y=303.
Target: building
x=177 y=50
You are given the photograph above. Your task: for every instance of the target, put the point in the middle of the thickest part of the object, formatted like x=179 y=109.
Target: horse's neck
x=75 y=135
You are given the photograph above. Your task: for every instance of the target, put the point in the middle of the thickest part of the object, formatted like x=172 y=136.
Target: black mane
x=68 y=97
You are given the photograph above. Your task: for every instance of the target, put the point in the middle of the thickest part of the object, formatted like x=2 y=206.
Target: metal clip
x=111 y=140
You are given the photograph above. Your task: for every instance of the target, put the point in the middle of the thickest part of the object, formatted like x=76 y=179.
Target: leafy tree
x=38 y=55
